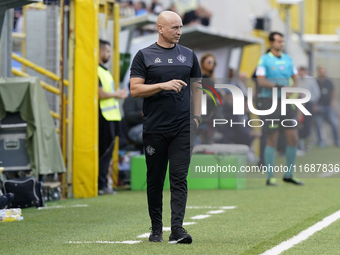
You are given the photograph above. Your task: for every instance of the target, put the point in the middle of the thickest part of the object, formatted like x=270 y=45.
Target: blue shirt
x=277 y=70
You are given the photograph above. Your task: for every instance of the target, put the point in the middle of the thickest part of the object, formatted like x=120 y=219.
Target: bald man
x=161 y=74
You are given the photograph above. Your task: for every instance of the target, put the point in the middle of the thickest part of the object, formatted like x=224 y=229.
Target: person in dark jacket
x=133 y=112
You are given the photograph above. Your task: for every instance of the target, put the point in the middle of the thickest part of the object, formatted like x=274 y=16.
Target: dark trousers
x=106 y=137
x=175 y=148
x=104 y=163
x=307 y=123
x=326 y=113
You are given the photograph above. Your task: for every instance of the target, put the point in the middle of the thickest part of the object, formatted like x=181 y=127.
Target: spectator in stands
x=205 y=131
x=172 y=8
x=307 y=82
x=127 y=9
x=238 y=134
x=109 y=116
x=199 y=16
x=140 y=8
x=133 y=112
x=208 y=64
x=238 y=80
x=325 y=109
x=18 y=21
x=156 y=7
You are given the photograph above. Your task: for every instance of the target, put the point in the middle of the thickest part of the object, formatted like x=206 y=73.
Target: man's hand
x=121 y=94
x=197 y=123
x=175 y=85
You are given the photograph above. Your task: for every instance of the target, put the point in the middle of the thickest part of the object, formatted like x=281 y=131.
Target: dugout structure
x=8 y=4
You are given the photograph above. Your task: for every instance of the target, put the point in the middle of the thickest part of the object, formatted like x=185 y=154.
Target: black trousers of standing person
x=306 y=130
x=175 y=148
x=107 y=134
x=104 y=163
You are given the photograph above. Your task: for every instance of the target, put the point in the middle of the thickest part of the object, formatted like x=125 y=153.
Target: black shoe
x=293 y=181
x=5 y=200
x=156 y=234
x=10 y=197
x=271 y=182
x=179 y=235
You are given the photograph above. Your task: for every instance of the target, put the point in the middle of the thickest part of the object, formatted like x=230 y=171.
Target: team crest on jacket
x=181 y=58
x=150 y=150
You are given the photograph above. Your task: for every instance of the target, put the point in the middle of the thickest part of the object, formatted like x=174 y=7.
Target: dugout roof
x=8 y=4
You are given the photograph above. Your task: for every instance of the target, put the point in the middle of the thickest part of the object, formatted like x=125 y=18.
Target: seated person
x=156 y=7
x=199 y=16
x=238 y=133
x=5 y=200
x=133 y=112
x=140 y=8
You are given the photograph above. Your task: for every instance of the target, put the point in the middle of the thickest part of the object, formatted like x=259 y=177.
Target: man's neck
x=165 y=44
x=101 y=63
x=277 y=53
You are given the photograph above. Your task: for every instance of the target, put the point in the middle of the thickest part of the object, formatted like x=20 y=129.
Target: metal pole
x=6 y=44
x=61 y=72
x=24 y=41
x=61 y=97
x=116 y=60
x=287 y=34
x=116 y=78
x=2 y=19
x=302 y=18
x=70 y=96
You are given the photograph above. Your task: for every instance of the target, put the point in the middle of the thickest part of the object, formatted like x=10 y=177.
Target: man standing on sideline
x=308 y=82
x=161 y=75
x=325 y=109
x=276 y=70
x=109 y=116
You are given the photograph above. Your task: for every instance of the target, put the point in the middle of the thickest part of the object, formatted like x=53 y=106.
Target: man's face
x=172 y=30
x=302 y=72
x=322 y=71
x=105 y=53
x=278 y=44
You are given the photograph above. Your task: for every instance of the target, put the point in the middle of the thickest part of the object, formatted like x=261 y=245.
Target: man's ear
x=160 y=29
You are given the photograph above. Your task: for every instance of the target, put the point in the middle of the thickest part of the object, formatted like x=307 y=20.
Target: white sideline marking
x=228 y=207
x=303 y=235
x=216 y=211
x=188 y=223
x=199 y=217
x=211 y=207
x=328 y=174
x=200 y=207
x=61 y=206
x=146 y=235
x=109 y=242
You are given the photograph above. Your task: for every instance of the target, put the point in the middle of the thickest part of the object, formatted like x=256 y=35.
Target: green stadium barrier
x=202 y=180
x=233 y=180
x=197 y=181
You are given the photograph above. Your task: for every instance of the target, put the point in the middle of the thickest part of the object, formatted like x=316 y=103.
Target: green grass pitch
x=263 y=218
